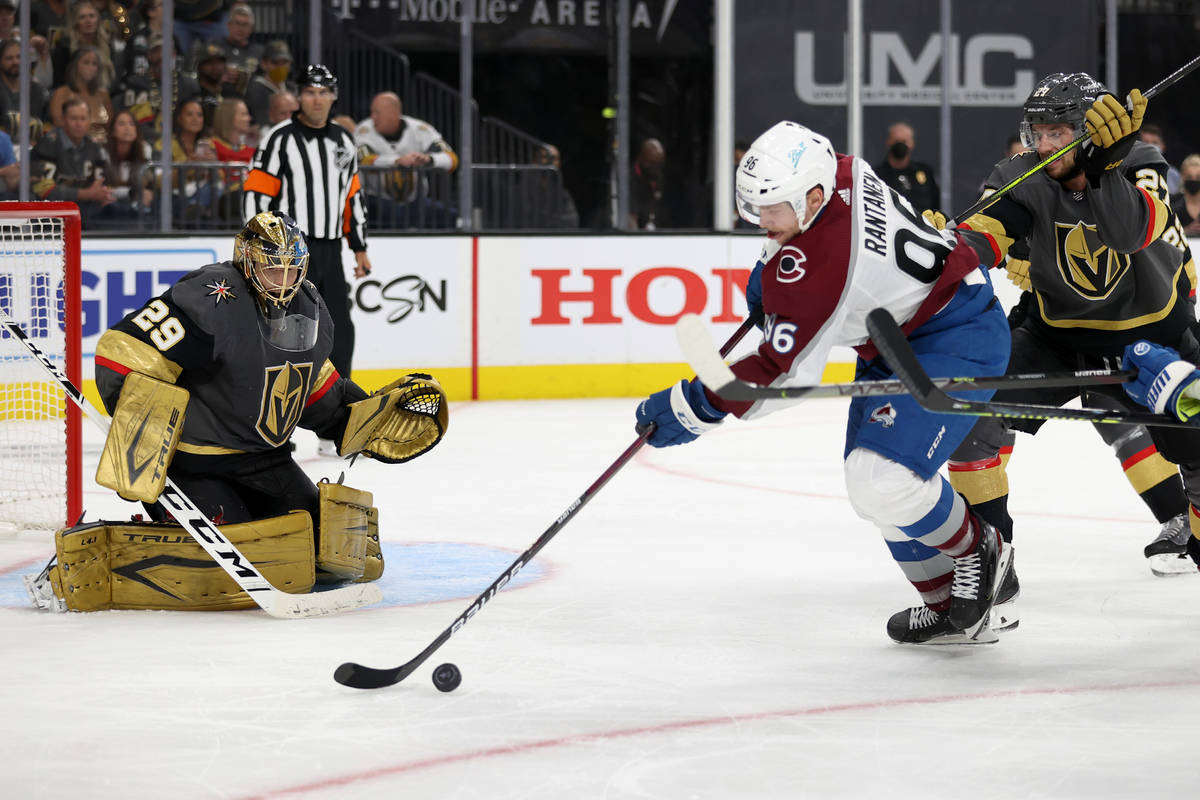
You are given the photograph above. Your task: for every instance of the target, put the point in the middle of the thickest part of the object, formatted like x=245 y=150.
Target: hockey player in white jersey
x=840 y=243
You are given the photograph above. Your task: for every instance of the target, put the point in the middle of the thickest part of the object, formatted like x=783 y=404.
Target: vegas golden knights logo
x=282 y=401
x=1088 y=265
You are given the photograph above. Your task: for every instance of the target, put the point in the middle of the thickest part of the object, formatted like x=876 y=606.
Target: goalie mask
x=1060 y=99
x=781 y=166
x=273 y=256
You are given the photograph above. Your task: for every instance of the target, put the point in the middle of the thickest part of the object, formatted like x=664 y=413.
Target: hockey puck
x=446 y=677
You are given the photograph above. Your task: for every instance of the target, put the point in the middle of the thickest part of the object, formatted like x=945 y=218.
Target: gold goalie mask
x=273 y=256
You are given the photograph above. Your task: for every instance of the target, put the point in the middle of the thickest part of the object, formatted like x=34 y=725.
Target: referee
x=308 y=169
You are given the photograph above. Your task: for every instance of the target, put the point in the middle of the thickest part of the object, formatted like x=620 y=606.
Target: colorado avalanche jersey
x=867 y=249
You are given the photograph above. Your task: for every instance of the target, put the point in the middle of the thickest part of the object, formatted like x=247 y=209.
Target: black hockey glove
x=1113 y=129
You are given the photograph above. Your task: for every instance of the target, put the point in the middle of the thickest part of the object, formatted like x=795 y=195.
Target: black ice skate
x=923 y=625
x=1167 y=554
x=1004 y=615
x=977 y=578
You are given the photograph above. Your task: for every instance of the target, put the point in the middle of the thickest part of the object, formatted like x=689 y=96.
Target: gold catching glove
x=399 y=422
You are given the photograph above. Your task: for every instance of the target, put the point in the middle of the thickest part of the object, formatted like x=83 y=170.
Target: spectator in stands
x=10 y=97
x=191 y=144
x=646 y=185
x=283 y=105
x=1152 y=135
x=404 y=145
x=84 y=81
x=552 y=204
x=235 y=136
x=200 y=20
x=10 y=170
x=8 y=19
x=913 y=179
x=128 y=154
x=143 y=95
x=84 y=28
x=1186 y=204
x=210 y=71
x=242 y=56
x=48 y=18
x=271 y=79
x=66 y=164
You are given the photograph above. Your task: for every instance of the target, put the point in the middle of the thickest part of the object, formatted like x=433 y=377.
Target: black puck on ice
x=446 y=677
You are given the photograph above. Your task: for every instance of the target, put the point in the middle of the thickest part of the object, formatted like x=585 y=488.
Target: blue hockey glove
x=680 y=414
x=1162 y=380
x=754 y=295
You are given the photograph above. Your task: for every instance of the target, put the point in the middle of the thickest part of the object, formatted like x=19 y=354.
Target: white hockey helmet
x=782 y=166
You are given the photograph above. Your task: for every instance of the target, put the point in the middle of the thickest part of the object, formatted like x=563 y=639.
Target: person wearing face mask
x=1152 y=135
x=272 y=78
x=912 y=179
x=1186 y=204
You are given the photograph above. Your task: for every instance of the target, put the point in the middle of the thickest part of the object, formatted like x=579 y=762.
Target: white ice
x=711 y=625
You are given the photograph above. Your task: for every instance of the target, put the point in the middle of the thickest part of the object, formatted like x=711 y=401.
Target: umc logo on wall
x=919 y=73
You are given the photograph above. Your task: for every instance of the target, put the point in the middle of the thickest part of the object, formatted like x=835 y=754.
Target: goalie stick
x=898 y=353
x=713 y=372
x=987 y=201
x=358 y=676
x=205 y=532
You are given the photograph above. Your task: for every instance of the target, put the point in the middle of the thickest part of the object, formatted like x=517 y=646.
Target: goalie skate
x=923 y=625
x=41 y=592
x=1167 y=554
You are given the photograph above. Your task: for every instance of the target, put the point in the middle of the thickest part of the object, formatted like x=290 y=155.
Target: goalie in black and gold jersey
x=206 y=384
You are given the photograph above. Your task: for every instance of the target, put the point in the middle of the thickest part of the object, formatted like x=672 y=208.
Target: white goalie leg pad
x=886 y=492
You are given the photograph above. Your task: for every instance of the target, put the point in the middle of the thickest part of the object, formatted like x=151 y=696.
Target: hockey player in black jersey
x=1109 y=266
x=206 y=384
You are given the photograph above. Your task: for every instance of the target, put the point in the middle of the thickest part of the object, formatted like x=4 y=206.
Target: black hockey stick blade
x=701 y=354
x=898 y=353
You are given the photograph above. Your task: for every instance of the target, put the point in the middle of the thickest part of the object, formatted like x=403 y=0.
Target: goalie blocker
x=158 y=566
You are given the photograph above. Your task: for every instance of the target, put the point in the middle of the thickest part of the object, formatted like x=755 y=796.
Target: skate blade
x=985 y=635
x=1005 y=617
x=1168 y=565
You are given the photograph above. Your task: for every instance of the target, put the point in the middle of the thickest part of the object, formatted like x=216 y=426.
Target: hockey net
x=40 y=481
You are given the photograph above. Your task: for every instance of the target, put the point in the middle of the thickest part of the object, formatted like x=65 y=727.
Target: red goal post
x=41 y=477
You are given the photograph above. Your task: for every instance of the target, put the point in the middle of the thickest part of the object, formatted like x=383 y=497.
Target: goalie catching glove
x=398 y=422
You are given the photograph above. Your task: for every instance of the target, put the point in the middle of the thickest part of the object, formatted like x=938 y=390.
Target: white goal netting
x=33 y=422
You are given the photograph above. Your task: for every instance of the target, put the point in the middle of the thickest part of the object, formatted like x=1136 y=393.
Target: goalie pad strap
x=344 y=529
x=146 y=425
x=151 y=565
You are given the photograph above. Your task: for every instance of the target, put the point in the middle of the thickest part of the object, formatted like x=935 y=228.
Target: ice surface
x=711 y=626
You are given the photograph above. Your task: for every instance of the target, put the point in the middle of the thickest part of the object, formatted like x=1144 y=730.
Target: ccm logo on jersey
x=885 y=415
x=789 y=269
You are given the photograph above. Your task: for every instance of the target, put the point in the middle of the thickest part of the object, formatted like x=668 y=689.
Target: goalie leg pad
x=373 y=564
x=398 y=422
x=147 y=565
x=345 y=515
x=146 y=425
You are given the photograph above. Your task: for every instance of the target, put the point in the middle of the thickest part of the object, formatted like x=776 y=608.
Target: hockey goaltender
x=205 y=384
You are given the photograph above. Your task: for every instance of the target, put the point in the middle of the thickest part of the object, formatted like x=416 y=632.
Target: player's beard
x=1072 y=172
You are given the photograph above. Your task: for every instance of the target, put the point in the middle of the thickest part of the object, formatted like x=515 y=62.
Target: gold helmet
x=273 y=256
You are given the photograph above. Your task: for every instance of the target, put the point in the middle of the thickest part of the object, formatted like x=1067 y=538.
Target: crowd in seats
x=96 y=121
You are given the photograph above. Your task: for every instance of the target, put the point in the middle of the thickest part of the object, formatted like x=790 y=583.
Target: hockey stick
x=986 y=202
x=898 y=353
x=207 y=535
x=715 y=374
x=358 y=676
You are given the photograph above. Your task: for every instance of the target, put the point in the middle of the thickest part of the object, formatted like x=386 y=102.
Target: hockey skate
x=977 y=579
x=41 y=592
x=1167 y=554
x=1004 y=613
x=923 y=625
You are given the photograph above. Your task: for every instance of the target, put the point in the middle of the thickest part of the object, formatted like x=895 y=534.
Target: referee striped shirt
x=311 y=174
